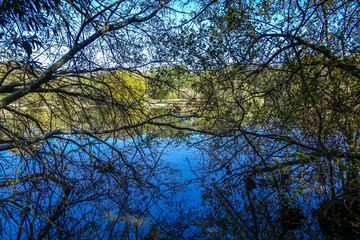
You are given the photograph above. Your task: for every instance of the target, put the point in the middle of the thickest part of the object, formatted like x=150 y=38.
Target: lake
x=153 y=187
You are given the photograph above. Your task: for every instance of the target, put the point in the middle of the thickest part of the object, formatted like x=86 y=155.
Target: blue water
x=176 y=188
x=168 y=166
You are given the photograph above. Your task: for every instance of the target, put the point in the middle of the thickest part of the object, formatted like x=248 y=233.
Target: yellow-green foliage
x=124 y=87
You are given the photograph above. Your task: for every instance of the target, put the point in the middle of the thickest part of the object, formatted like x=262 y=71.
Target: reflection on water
x=165 y=188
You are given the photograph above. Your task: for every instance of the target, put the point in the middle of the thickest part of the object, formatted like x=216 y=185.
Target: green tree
x=169 y=82
x=289 y=78
x=73 y=117
x=276 y=81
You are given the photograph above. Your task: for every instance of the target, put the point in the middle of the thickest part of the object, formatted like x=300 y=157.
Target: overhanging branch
x=48 y=74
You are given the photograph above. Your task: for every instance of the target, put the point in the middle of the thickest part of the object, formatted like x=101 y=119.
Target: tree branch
x=48 y=74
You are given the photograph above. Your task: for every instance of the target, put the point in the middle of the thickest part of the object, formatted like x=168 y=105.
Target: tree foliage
x=272 y=86
x=73 y=118
x=284 y=86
